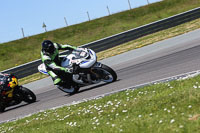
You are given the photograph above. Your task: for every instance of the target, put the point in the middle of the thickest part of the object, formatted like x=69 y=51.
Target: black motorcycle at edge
x=20 y=94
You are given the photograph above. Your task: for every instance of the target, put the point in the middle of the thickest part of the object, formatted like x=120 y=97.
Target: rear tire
x=28 y=95
x=71 y=91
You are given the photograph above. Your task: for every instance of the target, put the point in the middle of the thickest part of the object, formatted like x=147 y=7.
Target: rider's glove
x=67 y=70
x=70 y=70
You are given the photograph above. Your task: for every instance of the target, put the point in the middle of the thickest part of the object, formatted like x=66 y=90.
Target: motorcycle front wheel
x=28 y=95
x=2 y=107
x=106 y=73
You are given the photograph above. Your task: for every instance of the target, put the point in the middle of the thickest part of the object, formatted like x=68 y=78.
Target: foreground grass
x=165 y=107
x=28 y=49
x=138 y=43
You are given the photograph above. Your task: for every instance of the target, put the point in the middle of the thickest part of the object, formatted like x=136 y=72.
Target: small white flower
x=150 y=114
x=139 y=116
x=194 y=86
x=165 y=109
x=107 y=123
x=118 y=103
x=101 y=111
x=173 y=107
x=181 y=126
x=113 y=125
x=140 y=92
x=124 y=111
x=190 y=106
x=105 y=106
x=70 y=123
x=168 y=111
x=172 y=121
x=109 y=102
x=160 y=121
x=117 y=114
x=190 y=116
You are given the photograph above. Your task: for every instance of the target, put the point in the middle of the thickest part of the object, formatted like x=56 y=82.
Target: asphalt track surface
x=164 y=59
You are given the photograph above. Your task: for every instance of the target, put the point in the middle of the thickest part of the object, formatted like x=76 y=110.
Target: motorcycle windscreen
x=65 y=62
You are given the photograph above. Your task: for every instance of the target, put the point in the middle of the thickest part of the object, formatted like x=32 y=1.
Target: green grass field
x=161 y=108
x=28 y=49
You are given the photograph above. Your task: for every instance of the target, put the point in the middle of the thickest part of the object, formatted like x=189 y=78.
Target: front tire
x=106 y=73
x=2 y=107
x=28 y=95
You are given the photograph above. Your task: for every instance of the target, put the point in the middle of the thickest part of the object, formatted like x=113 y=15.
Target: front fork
x=92 y=76
x=97 y=64
x=94 y=70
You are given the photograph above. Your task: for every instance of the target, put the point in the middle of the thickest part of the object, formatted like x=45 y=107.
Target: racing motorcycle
x=15 y=95
x=87 y=70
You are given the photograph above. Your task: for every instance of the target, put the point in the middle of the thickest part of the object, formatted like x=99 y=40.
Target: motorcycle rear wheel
x=71 y=91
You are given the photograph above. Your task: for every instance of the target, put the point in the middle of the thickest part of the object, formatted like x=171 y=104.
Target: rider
x=50 y=57
x=7 y=84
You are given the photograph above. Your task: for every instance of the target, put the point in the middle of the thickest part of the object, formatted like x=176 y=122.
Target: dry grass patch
x=195 y=117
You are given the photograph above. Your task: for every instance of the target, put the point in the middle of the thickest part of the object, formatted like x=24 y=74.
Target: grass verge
x=28 y=49
x=163 y=107
x=143 y=41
